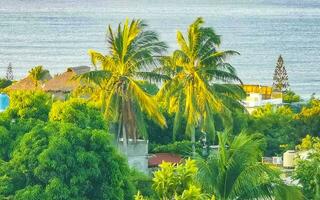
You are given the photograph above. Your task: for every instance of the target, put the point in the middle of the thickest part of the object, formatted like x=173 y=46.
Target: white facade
x=255 y=100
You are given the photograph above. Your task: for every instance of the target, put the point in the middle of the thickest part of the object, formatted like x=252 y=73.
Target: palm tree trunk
x=124 y=139
x=123 y=122
x=193 y=141
x=103 y=100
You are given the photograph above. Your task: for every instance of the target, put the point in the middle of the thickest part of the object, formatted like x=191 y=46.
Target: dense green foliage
x=63 y=150
x=290 y=97
x=5 y=83
x=176 y=182
x=132 y=52
x=71 y=157
x=29 y=104
x=78 y=112
x=231 y=172
x=62 y=161
x=308 y=171
x=308 y=119
x=202 y=84
x=234 y=172
x=277 y=127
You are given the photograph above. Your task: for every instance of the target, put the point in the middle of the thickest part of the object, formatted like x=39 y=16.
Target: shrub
x=29 y=104
x=78 y=112
x=276 y=125
x=290 y=97
x=4 y=83
x=62 y=161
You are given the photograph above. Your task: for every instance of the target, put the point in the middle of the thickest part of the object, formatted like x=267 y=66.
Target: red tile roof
x=156 y=159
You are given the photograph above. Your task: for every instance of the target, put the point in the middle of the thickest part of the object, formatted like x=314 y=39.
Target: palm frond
x=152 y=76
x=146 y=102
x=96 y=77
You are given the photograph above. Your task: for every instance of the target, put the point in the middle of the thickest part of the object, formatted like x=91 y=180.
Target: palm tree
x=133 y=51
x=202 y=83
x=37 y=74
x=233 y=172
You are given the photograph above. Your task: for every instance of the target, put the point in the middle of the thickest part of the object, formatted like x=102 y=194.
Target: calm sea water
x=58 y=33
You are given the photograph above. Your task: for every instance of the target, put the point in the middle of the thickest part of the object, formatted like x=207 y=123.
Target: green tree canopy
x=309 y=118
x=62 y=161
x=29 y=104
x=5 y=83
x=277 y=125
x=291 y=97
x=307 y=171
x=78 y=112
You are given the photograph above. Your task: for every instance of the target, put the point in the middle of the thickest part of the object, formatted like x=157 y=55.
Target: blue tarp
x=4 y=102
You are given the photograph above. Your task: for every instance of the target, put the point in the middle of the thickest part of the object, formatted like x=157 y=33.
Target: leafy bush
x=11 y=131
x=177 y=181
x=277 y=126
x=142 y=183
x=5 y=141
x=29 y=104
x=4 y=83
x=309 y=118
x=290 y=97
x=62 y=161
x=307 y=171
x=78 y=112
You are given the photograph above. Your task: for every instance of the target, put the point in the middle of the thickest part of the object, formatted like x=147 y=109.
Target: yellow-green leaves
x=196 y=67
x=133 y=52
x=176 y=181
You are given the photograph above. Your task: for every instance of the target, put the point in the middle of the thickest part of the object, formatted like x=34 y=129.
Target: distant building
x=156 y=159
x=28 y=83
x=63 y=84
x=258 y=96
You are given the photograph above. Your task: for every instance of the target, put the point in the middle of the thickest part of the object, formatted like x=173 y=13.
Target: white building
x=258 y=96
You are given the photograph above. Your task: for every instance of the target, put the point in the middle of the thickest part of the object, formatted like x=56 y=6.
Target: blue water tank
x=4 y=102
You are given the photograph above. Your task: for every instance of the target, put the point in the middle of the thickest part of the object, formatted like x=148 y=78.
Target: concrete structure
x=289 y=158
x=137 y=153
x=258 y=96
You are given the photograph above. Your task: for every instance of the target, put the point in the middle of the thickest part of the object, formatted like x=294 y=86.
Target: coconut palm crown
x=133 y=52
x=37 y=74
x=202 y=83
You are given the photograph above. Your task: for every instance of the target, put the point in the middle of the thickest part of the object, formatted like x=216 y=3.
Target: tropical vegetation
x=182 y=102
x=202 y=84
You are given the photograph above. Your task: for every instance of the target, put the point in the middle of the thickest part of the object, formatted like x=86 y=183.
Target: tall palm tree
x=37 y=74
x=233 y=172
x=202 y=83
x=133 y=52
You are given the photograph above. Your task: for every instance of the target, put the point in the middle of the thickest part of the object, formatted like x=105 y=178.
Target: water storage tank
x=4 y=102
x=289 y=159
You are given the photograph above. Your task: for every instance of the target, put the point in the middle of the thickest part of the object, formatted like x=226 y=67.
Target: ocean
x=58 y=33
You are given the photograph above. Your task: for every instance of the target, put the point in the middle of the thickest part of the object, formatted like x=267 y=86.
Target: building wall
x=137 y=154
